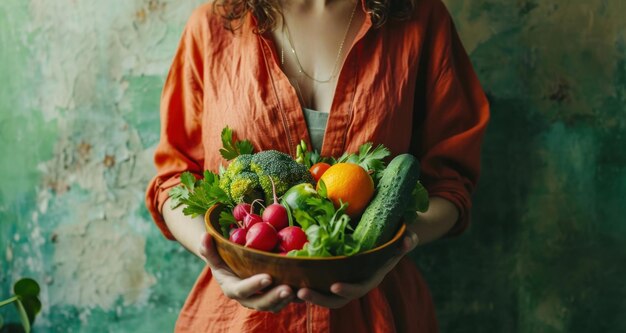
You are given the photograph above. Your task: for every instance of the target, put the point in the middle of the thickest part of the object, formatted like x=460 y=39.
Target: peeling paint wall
x=79 y=120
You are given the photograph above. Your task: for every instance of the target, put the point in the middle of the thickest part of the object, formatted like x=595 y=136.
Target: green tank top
x=316 y=124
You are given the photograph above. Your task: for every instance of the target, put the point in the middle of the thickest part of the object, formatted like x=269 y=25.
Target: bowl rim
x=214 y=233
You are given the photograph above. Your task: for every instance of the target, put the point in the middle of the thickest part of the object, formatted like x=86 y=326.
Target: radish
x=291 y=238
x=276 y=214
x=250 y=218
x=238 y=236
x=261 y=236
x=241 y=210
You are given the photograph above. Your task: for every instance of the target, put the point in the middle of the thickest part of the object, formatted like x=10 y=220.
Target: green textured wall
x=79 y=120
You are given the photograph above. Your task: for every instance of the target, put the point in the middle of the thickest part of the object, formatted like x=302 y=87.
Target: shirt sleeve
x=180 y=146
x=453 y=117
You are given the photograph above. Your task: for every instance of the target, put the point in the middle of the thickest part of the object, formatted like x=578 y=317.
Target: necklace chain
x=335 y=71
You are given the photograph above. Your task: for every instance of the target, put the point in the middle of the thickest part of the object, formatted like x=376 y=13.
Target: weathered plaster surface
x=79 y=119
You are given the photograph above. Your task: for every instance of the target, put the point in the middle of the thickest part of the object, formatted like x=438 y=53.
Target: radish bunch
x=267 y=232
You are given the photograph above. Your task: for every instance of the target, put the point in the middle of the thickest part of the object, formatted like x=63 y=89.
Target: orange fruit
x=349 y=183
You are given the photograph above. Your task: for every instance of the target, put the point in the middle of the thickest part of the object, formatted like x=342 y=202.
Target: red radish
x=276 y=214
x=241 y=210
x=250 y=218
x=238 y=236
x=291 y=238
x=262 y=236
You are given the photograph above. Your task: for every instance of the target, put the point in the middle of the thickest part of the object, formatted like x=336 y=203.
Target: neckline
x=289 y=103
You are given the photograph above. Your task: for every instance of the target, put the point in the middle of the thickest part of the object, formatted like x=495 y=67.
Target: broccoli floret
x=236 y=166
x=239 y=165
x=245 y=187
x=225 y=184
x=284 y=171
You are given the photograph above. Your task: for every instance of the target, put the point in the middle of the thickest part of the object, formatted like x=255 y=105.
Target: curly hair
x=267 y=12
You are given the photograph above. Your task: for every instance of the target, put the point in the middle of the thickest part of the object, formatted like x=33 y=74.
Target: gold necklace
x=301 y=70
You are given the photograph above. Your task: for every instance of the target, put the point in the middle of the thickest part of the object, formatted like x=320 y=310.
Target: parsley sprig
x=198 y=195
x=231 y=149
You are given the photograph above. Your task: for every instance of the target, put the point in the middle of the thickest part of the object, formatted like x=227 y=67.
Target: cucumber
x=382 y=216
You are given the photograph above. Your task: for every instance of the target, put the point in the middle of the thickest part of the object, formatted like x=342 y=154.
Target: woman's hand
x=346 y=292
x=248 y=292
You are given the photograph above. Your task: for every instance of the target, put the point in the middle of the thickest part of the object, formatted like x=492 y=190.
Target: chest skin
x=313 y=44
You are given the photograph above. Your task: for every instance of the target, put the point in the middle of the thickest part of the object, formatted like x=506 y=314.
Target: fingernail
x=415 y=239
x=265 y=282
x=283 y=294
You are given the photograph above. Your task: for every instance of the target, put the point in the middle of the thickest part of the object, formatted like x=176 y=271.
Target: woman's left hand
x=343 y=293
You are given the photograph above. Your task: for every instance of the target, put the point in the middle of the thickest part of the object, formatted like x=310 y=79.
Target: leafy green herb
x=226 y=220
x=326 y=230
x=418 y=203
x=369 y=159
x=198 y=195
x=231 y=149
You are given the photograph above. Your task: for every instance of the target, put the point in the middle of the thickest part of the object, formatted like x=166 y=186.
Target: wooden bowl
x=318 y=273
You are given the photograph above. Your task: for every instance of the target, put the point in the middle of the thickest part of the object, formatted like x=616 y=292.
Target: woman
x=335 y=74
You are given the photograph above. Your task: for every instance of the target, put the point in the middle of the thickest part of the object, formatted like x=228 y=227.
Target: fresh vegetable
x=306 y=157
x=233 y=148
x=241 y=210
x=276 y=214
x=245 y=186
x=318 y=169
x=296 y=197
x=238 y=236
x=291 y=238
x=327 y=232
x=370 y=160
x=199 y=195
x=398 y=193
x=350 y=183
x=251 y=219
x=262 y=236
x=304 y=198
x=279 y=166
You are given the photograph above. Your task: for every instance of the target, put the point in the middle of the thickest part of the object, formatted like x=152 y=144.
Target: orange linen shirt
x=408 y=85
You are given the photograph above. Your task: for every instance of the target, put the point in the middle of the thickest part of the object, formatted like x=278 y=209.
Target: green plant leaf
x=231 y=149
x=32 y=305
x=1 y=321
x=226 y=219
x=26 y=287
x=420 y=198
x=188 y=179
x=321 y=189
x=23 y=316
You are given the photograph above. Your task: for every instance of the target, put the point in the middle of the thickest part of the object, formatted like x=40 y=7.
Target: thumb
x=209 y=253
x=409 y=242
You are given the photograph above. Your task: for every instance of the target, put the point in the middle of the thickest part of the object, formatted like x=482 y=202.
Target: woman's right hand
x=248 y=292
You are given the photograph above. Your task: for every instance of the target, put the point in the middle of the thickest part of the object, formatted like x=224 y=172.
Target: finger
x=236 y=288
x=333 y=302
x=409 y=242
x=269 y=300
x=283 y=304
x=352 y=290
x=222 y=273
